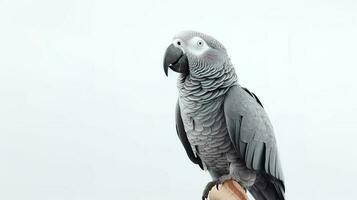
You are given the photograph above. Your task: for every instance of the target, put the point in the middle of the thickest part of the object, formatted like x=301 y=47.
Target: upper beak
x=176 y=60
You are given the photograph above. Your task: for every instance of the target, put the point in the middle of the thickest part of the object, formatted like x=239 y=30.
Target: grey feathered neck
x=205 y=87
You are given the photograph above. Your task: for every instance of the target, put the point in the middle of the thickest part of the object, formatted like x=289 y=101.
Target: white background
x=87 y=113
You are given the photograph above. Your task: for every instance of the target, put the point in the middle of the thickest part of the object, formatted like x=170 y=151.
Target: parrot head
x=195 y=53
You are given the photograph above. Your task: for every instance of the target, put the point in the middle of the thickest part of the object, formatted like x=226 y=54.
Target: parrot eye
x=199 y=43
x=177 y=42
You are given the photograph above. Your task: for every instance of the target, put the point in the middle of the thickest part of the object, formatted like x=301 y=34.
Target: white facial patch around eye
x=179 y=44
x=197 y=46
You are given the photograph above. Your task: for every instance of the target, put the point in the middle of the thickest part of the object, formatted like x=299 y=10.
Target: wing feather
x=251 y=132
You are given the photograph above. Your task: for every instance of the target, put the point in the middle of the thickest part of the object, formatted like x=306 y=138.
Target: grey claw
x=207 y=189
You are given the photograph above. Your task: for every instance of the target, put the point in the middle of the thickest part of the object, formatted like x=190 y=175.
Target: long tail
x=267 y=187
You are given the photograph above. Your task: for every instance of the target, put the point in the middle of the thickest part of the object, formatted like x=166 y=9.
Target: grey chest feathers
x=206 y=130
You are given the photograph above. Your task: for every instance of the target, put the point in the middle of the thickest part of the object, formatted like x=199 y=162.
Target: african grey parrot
x=222 y=126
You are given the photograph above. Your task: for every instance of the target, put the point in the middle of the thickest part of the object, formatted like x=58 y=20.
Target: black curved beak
x=176 y=60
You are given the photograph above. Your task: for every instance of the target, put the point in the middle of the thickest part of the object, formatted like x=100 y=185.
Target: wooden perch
x=230 y=190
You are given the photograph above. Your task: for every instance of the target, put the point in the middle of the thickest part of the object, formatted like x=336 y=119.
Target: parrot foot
x=222 y=179
x=208 y=188
x=228 y=177
x=218 y=182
